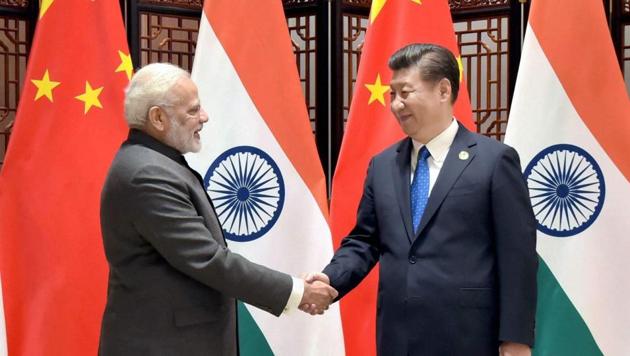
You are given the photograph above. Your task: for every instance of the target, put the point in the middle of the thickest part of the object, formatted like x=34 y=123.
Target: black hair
x=433 y=61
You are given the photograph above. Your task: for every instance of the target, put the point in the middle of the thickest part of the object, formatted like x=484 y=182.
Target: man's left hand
x=514 y=349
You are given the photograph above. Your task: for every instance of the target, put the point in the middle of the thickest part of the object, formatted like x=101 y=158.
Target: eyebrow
x=393 y=85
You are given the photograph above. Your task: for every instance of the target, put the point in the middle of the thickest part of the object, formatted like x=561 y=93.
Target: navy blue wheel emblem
x=247 y=190
x=567 y=189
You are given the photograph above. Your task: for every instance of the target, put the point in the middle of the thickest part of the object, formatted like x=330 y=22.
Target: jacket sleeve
x=165 y=216
x=359 y=251
x=515 y=233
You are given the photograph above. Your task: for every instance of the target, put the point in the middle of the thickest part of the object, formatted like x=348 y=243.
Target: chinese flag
x=372 y=127
x=69 y=125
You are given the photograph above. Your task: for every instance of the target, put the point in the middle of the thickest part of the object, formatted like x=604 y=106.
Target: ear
x=444 y=86
x=157 y=118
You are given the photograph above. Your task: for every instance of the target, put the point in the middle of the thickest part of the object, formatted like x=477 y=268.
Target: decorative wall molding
x=358 y=3
x=14 y=3
x=188 y=4
x=474 y=4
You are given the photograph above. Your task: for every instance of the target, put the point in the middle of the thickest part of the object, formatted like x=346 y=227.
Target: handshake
x=318 y=294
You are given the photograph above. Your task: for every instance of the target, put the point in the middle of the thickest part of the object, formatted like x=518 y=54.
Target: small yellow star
x=45 y=4
x=377 y=91
x=45 y=86
x=90 y=97
x=125 y=64
x=461 y=68
x=419 y=2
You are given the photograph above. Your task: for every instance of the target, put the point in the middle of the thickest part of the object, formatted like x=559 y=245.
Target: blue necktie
x=420 y=188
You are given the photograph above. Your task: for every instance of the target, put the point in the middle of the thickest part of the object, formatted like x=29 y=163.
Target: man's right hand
x=317 y=295
x=316 y=276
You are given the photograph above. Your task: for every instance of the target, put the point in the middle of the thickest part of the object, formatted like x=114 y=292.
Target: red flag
x=69 y=125
x=372 y=127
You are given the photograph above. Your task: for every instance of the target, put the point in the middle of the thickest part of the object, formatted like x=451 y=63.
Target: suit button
x=412 y=259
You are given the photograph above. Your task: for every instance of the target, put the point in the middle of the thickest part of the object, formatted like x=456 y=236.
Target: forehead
x=406 y=76
x=184 y=91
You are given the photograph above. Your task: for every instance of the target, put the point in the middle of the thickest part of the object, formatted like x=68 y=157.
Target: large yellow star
x=461 y=68
x=90 y=97
x=45 y=4
x=125 y=64
x=377 y=6
x=377 y=91
x=45 y=86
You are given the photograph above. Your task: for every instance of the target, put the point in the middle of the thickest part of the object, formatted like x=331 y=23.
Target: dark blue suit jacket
x=467 y=280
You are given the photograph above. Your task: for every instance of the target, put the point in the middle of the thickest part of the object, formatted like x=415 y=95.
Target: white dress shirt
x=296 y=295
x=438 y=148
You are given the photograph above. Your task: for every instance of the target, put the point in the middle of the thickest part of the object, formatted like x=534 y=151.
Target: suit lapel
x=401 y=176
x=451 y=170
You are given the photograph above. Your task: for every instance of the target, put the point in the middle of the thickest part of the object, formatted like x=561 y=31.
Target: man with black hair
x=447 y=214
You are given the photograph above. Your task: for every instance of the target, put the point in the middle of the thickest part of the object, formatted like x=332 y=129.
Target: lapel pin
x=463 y=155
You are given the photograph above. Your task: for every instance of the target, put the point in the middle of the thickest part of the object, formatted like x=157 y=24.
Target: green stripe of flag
x=251 y=339
x=560 y=330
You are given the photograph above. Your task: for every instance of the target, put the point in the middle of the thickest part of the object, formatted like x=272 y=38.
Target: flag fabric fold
x=570 y=123
x=371 y=128
x=260 y=165
x=69 y=124
x=3 y=333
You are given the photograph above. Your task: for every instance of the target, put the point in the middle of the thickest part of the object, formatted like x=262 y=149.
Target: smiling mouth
x=404 y=117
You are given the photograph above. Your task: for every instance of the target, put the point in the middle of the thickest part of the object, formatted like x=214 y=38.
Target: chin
x=196 y=147
x=408 y=131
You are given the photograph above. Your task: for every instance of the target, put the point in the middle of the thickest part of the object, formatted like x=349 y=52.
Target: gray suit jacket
x=172 y=281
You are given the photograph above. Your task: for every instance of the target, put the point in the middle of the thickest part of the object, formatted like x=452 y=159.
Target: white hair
x=149 y=87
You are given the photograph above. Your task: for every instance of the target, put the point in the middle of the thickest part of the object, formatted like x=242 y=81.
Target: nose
x=204 y=116
x=396 y=104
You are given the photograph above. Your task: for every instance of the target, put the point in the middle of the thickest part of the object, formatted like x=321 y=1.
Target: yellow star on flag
x=90 y=97
x=377 y=91
x=45 y=4
x=461 y=68
x=377 y=6
x=125 y=64
x=45 y=86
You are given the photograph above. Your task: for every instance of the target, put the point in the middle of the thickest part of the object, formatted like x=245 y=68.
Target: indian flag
x=261 y=167
x=570 y=122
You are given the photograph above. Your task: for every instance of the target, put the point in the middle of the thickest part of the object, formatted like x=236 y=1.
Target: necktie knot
x=423 y=154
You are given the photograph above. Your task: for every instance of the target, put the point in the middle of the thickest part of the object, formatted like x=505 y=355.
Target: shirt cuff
x=297 y=291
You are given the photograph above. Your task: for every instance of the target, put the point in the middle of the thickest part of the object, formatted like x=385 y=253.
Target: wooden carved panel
x=454 y=4
x=354 y=27
x=188 y=4
x=168 y=38
x=484 y=49
x=472 y=4
x=626 y=55
x=14 y=3
x=14 y=47
x=303 y=36
x=358 y=3
x=293 y=3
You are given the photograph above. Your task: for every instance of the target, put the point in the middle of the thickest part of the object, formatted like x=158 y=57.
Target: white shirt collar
x=439 y=145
